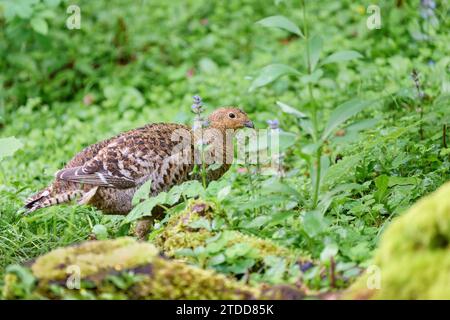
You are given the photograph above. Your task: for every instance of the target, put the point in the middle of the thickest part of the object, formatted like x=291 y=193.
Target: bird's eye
x=232 y=115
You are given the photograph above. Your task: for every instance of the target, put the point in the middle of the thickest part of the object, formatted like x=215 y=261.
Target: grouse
x=107 y=174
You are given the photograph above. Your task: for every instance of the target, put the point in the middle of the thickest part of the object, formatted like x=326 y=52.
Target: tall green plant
x=309 y=76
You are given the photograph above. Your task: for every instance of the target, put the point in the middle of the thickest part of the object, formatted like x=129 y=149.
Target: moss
x=414 y=254
x=175 y=280
x=126 y=269
x=179 y=235
x=10 y=286
x=93 y=257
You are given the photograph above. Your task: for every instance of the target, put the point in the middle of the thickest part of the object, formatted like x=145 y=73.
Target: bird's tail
x=47 y=198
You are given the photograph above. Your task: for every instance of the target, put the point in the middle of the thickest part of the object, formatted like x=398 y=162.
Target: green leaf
x=189 y=189
x=52 y=3
x=311 y=148
x=223 y=193
x=27 y=280
x=277 y=268
x=39 y=25
x=218 y=244
x=208 y=65
x=23 y=9
x=261 y=202
x=290 y=110
x=315 y=48
x=382 y=184
x=214 y=187
x=314 y=223
x=192 y=189
x=213 y=166
x=174 y=194
x=341 y=56
x=341 y=169
x=8 y=146
x=307 y=125
x=402 y=181
x=217 y=259
x=100 y=231
x=241 y=266
x=312 y=78
x=238 y=250
x=281 y=22
x=185 y=252
x=118 y=281
x=360 y=252
x=142 y=193
x=257 y=222
x=343 y=113
x=280 y=217
x=330 y=251
x=286 y=140
x=270 y=73
x=145 y=208
x=279 y=187
x=201 y=223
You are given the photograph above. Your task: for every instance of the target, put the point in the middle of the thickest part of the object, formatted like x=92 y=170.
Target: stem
x=316 y=187
x=203 y=164
x=2 y=175
x=164 y=207
x=203 y=172
x=332 y=273
x=318 y=177
x=444 y=136
x=198 y=119
x=305 y=30
x=421 y=122
x=252 y=185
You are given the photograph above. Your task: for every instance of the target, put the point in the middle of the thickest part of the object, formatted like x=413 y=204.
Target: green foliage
x=9 y=146
x=282 y=23
x=412 y=260
x=271 y=73
x=357 y=145
x=186 y=190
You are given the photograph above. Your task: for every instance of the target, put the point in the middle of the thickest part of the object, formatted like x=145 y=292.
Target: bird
x=107 y=174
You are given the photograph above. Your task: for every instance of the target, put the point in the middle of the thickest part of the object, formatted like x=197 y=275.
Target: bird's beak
x=249 y=124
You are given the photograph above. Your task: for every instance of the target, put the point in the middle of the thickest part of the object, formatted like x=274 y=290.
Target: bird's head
x=229 y=118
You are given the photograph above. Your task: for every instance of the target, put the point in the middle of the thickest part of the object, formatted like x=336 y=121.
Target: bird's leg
x=144 y=224
x=142 y=228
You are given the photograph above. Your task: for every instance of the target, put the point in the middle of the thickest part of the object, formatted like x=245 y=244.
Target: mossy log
x=413 y=259
x=184 y=232
x=126 y=269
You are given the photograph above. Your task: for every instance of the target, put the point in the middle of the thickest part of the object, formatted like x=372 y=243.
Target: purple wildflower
x=427 y=8
x=273 y=124
x=306 y=266
x=197 y=107
x=415 y=78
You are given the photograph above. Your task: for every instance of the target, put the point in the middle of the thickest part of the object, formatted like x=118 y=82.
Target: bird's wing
x=126 y=159
x=97 y=178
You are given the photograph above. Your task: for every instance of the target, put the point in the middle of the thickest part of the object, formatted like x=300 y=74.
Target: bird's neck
x=217 y=143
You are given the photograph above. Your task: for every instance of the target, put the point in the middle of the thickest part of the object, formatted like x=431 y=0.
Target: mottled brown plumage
x=107 y=174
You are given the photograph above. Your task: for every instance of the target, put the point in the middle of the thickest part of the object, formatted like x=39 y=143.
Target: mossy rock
x=184 y=233
x=414 y=254
x=126 y=269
